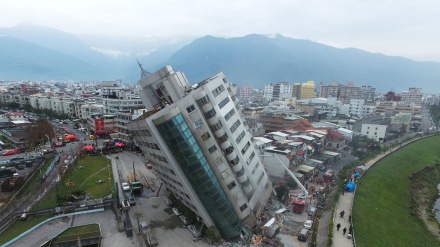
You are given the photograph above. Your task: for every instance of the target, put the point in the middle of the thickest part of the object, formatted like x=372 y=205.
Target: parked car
x=143 y=227
x=131 y=200
x=184 y=220
x=312 y=211
x=323 y=168
x=19 y=166
x=29 y=163
x=303 y=234
x=125 y=187
x=168 y=201
x=176 y=211
x=16 y=159
x=194 y=231
x=308 y=224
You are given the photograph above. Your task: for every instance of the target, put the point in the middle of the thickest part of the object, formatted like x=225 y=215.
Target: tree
x=362 y=141
x=42 y=130
x=27 y=107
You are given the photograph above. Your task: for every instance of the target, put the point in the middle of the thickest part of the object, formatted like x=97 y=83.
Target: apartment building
x=412 y=96
x=307 y=90
x=278 y=91
x=201 y=149
x=245 y=93
x=376 y=132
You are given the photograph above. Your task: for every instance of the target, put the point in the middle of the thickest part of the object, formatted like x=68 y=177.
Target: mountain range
x=30 y=52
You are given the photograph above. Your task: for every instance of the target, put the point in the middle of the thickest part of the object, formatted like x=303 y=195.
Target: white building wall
x=356 y=107
x=268 y=91
x=374 y=131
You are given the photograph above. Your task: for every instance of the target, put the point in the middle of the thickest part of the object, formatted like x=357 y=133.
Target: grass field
x=37 y=177
x=381 y=210
x=86 y=231
x=19 y=227
x=95 y=168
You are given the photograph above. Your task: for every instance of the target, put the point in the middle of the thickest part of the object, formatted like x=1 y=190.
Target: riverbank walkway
x=345 y=202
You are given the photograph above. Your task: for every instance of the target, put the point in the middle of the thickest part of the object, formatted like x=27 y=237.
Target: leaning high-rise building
x=202 y=149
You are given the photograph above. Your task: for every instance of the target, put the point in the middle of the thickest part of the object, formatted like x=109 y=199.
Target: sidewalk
x=345 y=202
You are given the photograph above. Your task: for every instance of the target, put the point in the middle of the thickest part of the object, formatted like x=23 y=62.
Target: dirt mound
x=423 y=195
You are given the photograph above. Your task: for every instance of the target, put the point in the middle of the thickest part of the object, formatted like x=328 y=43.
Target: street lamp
x=48 y=140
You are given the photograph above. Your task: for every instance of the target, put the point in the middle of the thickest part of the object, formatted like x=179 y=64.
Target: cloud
x=111 y=53
x=393 y=27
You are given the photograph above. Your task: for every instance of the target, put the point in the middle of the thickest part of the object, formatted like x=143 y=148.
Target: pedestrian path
x=345 y=202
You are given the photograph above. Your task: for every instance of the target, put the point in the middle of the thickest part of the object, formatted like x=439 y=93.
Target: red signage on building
x=99 y=126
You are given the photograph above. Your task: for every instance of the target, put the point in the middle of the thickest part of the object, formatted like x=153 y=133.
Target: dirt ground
x=423 y=195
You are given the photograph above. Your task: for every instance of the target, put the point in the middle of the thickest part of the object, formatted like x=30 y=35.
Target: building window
x=205 y=136
x=240 y=137
x=212 y=149
x=218 y=90
x=209 y=114
x=260 y=178
x=368 y=132
x=229 y=114
x=255 y=168
x=198 y=123
x=190 y=109
x=218 y=161
x=375 y=133
x=217 y=126
x=243 y=151
x=235 y=126
x=251 y=157
x=203 y=101
x=231 y=185
x=223 y=102
x=224 y=175
x=376 y=128
x=146 y=132
x=243 y=207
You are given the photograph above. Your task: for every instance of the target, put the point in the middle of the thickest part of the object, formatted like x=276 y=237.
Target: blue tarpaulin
x=350 y=186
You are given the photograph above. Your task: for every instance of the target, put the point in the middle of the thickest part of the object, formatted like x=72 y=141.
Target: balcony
x=234 y=161
x=222 y=138
x=240 y=172
x=228 y=150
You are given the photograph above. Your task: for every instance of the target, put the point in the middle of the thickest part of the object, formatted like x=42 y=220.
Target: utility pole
x=134 y=173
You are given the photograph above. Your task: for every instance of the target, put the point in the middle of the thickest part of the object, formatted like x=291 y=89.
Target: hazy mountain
x=22 y=60
x=58 y=41
x=111 y=57
x=33 y=52
x=257 y=60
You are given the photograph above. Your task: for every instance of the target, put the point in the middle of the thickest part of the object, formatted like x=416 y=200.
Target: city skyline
x=374 y=26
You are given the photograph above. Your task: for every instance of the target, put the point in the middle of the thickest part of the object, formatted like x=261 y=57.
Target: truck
x=136 y=186
x=298 y=206
x=328 y=176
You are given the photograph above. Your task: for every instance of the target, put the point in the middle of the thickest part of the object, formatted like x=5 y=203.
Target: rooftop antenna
x=144 y=73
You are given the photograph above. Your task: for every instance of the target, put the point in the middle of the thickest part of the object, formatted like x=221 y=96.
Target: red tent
x=88 y=148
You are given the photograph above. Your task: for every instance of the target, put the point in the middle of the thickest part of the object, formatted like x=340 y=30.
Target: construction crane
x=297 y=205
x=303 y=189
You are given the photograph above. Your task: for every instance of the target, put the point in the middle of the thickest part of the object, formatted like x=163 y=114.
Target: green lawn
x=381 y=210
x=86 y=231
x=18 y=227
x=95 y=168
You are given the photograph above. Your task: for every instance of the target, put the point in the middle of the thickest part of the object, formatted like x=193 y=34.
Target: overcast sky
x=393 y=27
